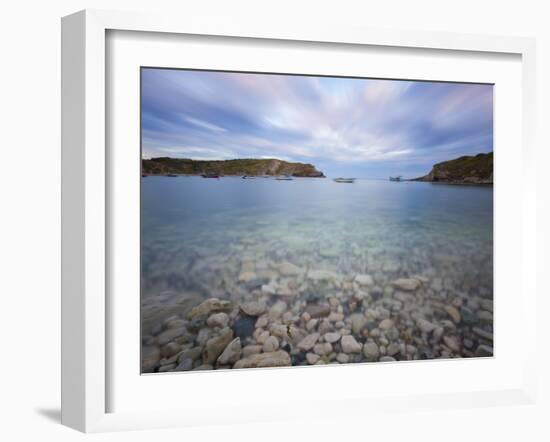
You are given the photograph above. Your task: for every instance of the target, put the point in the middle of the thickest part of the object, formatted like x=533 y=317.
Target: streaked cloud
x=362 y=127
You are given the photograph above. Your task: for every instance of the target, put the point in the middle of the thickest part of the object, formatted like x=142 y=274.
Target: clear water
x=197 y=233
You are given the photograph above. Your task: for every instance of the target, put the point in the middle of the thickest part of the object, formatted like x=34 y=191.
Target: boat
x=395 y=178
x=171 y=175
x=247 y=177
x=344 y=180
x=210 y=175
x=284 y=178
x=144 y=175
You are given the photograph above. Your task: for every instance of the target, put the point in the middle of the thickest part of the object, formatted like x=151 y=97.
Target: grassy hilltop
x=184 y=166
x=476 y=169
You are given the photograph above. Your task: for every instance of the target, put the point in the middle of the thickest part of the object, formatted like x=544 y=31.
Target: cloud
x=338 y=122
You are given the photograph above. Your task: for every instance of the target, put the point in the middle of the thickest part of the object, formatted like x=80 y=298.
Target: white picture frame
x=86 y=207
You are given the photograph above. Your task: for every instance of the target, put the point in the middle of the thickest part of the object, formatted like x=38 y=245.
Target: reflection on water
x=369 y=271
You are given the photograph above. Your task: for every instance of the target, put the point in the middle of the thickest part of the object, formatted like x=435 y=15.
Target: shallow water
x=200 y=235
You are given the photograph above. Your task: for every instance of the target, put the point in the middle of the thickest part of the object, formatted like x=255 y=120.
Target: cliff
x=255 y=167
x=464 y=170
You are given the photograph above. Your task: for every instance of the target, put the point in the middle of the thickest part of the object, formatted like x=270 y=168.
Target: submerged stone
x=243 y=327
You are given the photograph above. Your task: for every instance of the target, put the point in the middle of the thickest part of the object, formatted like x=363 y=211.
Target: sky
x=363 y=128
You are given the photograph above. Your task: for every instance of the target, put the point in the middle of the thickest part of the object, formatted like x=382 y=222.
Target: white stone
x=312 y=358
x=364 y=280
x=350 y=345
x=407 y=284
x=270 y=344
x=218 y=320
x=332 y=337
x=308 y=342
x=342 y=358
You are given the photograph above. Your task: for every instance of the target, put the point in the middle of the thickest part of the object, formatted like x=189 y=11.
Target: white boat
x=344 y=180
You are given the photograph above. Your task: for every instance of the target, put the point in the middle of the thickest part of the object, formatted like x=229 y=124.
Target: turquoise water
x=200 y=235
x=348 y=227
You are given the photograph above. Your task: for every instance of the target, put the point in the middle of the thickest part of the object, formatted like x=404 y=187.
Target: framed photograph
x=256 y=209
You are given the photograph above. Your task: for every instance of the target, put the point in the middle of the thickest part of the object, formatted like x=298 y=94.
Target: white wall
x=30 y=221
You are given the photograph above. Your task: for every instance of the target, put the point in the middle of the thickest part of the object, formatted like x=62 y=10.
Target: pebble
x=243 y=327
x=311 y=324
x=269 y=289
x=279 y=358
x=208 y=306
x=170 y=334
x=312 y=358
x=425 y=326
x=215 y=346
x=350 y=345
x=485 y=316
x=170 y=349
x=484 y=351
x=407 y=284
x=335 y=317
x=262 y=322
x=270 y=344
x=218 y=320
x=318 y=310
x=251 y=350
x=322 y=349
x=288 y=269
x=185 y=364
x=453 y=313
x=482 y=333
x=387 y=359
x=193 y=353
x=332 y=337
x=175 y=323
x=277 y=310
x=364 y=280
x=150 y=357
x=308 y=342
x=438 y=333
x=371 y=352
x=262 y=337
x=386 y=324
x=320 y=275
x=393 y=349
x=246 y=276
x=358 y=321
x=452 y=343
x=342 y=358
x=253 y=308
x=232 y=353
x=166 y=368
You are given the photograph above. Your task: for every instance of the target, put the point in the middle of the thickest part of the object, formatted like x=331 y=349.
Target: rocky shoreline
x=476 y=169
x=277 y=320
x=235 y=167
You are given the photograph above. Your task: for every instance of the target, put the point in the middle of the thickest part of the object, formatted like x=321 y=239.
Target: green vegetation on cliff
x=255 y=167
x=464 y=170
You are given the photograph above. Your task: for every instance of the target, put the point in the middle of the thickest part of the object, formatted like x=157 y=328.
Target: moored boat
x=284 y=178
x=395 y=178
x=210 y=175
x=344 y=180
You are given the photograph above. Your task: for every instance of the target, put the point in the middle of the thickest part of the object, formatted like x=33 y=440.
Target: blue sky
x=364 y=128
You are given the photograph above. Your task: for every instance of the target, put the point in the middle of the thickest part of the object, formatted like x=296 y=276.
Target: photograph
x=292 y=220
